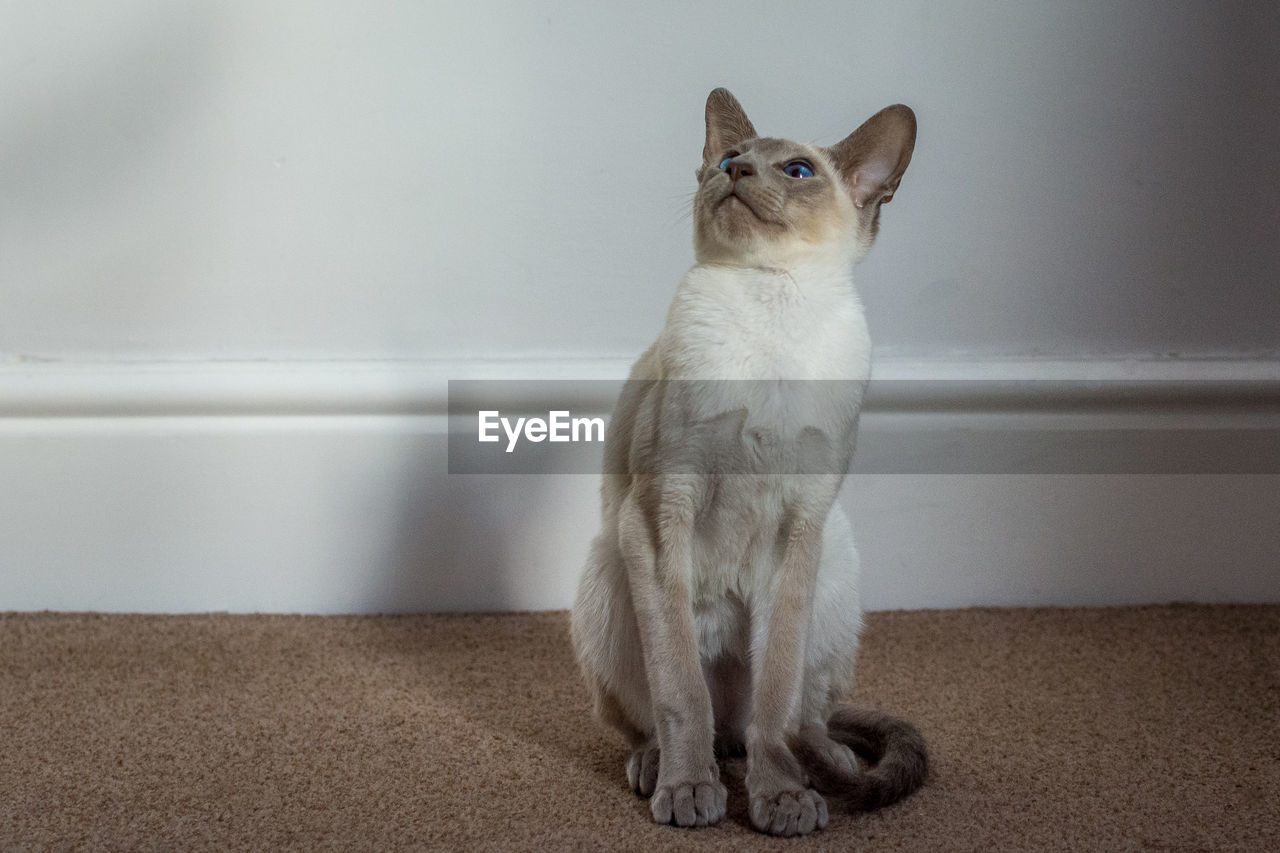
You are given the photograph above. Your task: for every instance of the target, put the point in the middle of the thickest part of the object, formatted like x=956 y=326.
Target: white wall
x=305 y=192
x=245 y=179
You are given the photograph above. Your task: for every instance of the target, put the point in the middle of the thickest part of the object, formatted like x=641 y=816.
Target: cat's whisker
x=684 y=211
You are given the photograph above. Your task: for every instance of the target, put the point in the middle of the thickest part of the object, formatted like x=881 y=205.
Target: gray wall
x=456 y=180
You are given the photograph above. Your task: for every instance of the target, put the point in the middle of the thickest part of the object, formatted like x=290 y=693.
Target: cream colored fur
x=719 y=605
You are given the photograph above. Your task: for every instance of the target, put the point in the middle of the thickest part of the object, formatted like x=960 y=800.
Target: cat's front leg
x=781 y=801
x=688 y=790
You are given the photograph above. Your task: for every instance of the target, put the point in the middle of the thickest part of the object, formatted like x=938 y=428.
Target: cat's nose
x=738 y=169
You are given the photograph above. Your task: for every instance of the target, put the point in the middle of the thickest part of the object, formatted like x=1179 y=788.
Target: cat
x=719 y=608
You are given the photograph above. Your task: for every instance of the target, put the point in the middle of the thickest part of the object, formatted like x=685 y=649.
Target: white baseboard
x=30 y=389
x=323 y=487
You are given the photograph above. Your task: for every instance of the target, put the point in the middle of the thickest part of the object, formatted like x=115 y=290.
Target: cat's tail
x=895 y=752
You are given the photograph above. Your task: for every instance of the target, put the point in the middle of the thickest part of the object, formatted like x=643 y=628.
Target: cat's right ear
x=727 y=126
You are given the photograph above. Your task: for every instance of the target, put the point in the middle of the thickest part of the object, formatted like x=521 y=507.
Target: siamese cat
x=719 y=609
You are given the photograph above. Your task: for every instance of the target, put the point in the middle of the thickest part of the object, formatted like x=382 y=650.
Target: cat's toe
x=789 y=813
x=642 y=770
x=828 y=761
x=690 y=804
x=839 y=758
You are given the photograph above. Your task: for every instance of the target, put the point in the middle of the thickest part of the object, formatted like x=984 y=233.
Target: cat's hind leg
x=865 y=758
x=830 y=657
x=642 y=764
x=607 y=642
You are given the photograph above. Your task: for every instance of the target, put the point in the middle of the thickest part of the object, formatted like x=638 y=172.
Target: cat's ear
x=727 y=126
x=872 y=159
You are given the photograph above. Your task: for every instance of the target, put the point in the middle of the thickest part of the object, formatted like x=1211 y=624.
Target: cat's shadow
x=507 y=677
x=512 y=677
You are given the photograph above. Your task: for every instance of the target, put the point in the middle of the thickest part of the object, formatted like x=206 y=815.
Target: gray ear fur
x=872 y=159
x=727 y=125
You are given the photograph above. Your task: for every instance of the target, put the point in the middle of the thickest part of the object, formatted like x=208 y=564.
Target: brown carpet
x=1153 y=728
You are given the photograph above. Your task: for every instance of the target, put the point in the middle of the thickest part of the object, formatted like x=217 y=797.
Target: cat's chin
x=739 y=226
x=733 y=203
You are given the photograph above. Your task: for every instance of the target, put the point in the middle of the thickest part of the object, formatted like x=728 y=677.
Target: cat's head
x=764 y=202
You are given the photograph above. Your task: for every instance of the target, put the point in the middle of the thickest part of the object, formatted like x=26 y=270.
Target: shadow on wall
x=473 y=542
x=1042 y=540
x=112 y=92
x=452 y=550
x=107 y=105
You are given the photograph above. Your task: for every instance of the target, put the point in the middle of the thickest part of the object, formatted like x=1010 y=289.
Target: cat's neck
x=815 y=278
x=812 y=267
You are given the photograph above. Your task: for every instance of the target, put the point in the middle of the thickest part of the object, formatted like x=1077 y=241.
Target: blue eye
x=724 y=164
x=798 y=169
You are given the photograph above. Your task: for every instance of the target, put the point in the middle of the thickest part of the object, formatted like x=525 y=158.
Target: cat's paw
x=689 y=803
x=789 y=813
x=831 y=757
x=642 y=770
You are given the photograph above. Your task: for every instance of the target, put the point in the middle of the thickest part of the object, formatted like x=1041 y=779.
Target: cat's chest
x=756 y=325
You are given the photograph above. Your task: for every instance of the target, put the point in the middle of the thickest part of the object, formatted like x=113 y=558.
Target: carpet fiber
x=1152 y=728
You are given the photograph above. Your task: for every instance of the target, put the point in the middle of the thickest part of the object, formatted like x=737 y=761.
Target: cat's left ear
x=727 y=126
x=871 y=160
